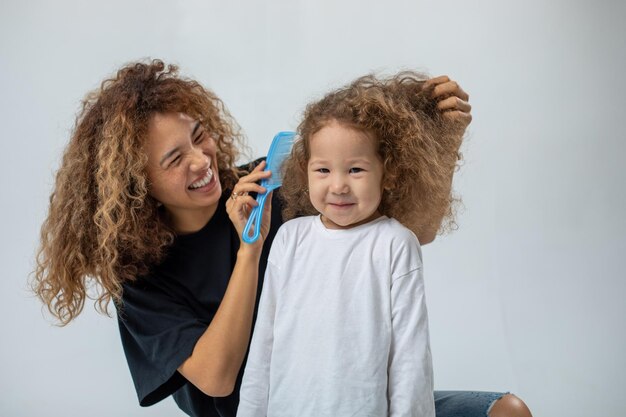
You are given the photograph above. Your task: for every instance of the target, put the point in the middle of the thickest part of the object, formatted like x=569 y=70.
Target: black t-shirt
x=163 y=315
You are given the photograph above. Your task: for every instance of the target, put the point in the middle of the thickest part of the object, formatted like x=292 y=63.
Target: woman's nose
x=199 y=161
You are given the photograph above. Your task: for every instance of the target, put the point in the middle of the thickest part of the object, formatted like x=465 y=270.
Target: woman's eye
x=199 y=138
x=355 y=170
x=175 y=161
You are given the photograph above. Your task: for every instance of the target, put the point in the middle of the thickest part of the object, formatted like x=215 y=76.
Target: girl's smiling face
x=344 y=176
x=182 y=169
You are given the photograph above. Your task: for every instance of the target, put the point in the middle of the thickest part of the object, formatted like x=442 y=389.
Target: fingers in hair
x=454 y=103
x=448 y=89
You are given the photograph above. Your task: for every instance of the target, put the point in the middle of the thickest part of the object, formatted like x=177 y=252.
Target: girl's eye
x=355 y=170
x=323 y=170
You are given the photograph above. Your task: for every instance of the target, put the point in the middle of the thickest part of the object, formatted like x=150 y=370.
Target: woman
x=149 y=205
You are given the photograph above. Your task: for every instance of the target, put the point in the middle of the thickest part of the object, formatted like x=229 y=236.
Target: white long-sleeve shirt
x=342 y=327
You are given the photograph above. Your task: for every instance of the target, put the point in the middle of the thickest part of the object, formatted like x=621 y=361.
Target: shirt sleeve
x=410 y=386
x=254 y=393
x=158 y=334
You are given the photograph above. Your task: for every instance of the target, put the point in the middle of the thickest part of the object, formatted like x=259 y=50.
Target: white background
x=528 y=294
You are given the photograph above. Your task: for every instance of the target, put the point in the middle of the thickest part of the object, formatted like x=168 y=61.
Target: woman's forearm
x=217 y=357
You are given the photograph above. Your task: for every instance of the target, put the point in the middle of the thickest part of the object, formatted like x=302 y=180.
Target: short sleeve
x=158 y=334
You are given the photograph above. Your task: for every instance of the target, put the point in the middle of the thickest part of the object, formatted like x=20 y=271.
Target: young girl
x=342 y=327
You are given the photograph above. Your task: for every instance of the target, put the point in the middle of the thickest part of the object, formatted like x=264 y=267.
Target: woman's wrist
x=251 y=252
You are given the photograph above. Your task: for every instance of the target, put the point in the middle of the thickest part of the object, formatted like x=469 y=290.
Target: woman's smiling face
x=182 y=169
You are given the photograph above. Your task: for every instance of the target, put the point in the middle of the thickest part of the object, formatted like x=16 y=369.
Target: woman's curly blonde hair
x=417 y=145
x=102 y=226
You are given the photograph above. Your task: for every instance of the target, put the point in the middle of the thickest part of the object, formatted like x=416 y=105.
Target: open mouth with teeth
x=202 y=182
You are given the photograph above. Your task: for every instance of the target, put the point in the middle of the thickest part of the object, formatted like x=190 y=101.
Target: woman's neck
x=191 y=221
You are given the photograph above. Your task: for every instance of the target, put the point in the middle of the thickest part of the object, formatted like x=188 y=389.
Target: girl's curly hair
x=417 y=145
x=102 y=226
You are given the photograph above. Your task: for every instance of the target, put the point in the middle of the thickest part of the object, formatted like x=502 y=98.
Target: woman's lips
x=202 y=180
x=209 y=184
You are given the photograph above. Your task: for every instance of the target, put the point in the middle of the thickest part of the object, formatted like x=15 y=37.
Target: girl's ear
x=388 y=183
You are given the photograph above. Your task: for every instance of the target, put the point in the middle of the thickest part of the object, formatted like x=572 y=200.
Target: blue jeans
x=464 y=403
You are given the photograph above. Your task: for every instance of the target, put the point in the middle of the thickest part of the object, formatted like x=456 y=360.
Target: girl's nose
x=339 y=185
x=199 y=161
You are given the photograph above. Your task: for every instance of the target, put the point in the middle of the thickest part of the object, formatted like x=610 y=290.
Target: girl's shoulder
x=291 y=235
x=297 y=225
x=403 y=245
x=395 y=230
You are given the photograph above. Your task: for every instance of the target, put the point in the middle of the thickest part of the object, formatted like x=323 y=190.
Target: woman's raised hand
x=452 y=100
x=240 y=204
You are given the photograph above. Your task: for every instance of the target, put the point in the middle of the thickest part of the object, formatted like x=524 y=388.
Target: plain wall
x=526 y=296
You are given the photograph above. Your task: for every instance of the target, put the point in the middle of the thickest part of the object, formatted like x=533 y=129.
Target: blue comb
x=279 y=151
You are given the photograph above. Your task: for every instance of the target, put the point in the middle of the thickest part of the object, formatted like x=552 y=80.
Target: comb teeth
x=277 y=163
x=279 y=151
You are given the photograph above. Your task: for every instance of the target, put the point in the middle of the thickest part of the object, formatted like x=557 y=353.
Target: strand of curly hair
x=102 y=227
x=418 y=147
